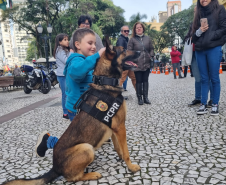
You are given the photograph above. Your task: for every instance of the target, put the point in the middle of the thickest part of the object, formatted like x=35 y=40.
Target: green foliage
x=31 y=51
x=178 y=24
x=136 y=18
x=63 y=16
x=160 y=39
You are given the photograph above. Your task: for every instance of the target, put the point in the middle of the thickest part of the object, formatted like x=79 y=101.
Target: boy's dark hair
x=58 y=39
x=79 y=34
x=83 y=19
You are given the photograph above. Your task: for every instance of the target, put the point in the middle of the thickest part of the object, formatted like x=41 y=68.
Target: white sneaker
x=202 y=109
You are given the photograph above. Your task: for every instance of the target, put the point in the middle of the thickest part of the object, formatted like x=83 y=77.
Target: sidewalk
x=170 y=142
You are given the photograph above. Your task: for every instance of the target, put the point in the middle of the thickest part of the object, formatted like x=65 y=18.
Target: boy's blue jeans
x=62 y=82
x=198 y=84
x=209 y=64
x=125 y=83
x=51 y=142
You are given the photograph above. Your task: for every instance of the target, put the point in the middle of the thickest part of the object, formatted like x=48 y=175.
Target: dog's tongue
x=130 y=63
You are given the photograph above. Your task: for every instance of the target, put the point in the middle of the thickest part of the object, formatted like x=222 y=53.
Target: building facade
x=162 y=16
x=21 y=39
x=173 y=7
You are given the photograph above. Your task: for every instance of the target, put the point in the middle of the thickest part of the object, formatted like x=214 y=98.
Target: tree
x=32 y=50
x=63 y=16
x=136 y=18
x=160 y=39
x=179 y=23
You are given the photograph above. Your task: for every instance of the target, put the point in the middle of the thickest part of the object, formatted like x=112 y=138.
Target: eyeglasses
x=86 y=23
x=126 y=31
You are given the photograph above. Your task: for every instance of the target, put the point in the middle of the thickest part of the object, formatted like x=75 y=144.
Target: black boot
x=145 y=88
x=139 y=93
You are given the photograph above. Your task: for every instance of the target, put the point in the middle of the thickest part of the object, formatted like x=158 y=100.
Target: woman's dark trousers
x=142 y=86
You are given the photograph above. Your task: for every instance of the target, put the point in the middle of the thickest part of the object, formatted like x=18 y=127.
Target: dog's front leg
x=116 y=145
x=121 y=138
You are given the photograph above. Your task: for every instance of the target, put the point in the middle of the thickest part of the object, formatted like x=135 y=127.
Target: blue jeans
x=198 y=84
x=71 y=115
x=125 y=83
x=51 y=142
x=209 y=64
x=62 y=81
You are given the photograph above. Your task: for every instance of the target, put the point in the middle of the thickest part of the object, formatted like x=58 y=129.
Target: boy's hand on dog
x=101 y=51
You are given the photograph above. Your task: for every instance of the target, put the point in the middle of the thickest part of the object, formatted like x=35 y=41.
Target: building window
x=7 y=40
x=8 y=51
x=9 y=56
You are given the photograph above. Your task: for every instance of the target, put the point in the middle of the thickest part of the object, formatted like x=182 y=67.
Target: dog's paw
x=91 y=176
x=134 y=168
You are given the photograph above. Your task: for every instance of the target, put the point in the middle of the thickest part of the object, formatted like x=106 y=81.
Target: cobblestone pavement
x=167 y=139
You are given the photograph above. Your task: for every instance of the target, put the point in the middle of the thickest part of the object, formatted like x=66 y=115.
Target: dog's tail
x=44 y=179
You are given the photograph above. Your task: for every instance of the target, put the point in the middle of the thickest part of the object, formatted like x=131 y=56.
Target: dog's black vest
x=104 y=108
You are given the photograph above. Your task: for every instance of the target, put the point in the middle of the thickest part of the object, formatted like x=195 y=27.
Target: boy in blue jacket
x=78 y=72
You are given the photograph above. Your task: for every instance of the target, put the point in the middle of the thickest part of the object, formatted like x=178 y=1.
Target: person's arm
x=219 y=33
x=120 y=42
x=130 y=45
x=173 y=54
x=62 y=56
x=178 y=53
x=79 y=69
x=99 y=43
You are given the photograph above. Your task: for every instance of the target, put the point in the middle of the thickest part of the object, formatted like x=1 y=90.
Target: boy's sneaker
x=65 y=116
x=202 y=109
x=209 y=105
x=215 y=111
x=41 y=146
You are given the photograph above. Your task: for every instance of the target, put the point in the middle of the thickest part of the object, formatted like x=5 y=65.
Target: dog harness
x=105 y=107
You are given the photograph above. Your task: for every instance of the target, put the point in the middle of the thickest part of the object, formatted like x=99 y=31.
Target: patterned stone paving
x=167 y=139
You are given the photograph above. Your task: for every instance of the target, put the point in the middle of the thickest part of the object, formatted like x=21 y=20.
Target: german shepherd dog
x=75 y=149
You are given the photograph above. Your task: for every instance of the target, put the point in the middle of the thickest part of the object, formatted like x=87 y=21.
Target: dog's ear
x=109 y=53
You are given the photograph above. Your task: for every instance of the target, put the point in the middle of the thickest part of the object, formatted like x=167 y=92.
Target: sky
x=148 y=7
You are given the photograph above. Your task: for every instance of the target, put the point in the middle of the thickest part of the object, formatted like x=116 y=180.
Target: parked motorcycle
x=52 y=75
x=36 y=79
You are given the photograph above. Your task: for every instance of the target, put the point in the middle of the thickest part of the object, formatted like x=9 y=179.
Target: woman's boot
x=139 y=93
x=145 y=91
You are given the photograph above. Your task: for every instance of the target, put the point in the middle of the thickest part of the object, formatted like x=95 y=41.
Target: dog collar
x=103 y=80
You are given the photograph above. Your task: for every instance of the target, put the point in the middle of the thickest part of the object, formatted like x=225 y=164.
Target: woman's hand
x=71 y=50
x=205 y=28
x=101 y=51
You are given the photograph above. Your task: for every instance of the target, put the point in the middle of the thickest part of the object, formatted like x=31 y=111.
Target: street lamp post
x=45 y=38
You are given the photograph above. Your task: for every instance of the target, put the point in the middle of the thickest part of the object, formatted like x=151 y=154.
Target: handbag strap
x=143 y=47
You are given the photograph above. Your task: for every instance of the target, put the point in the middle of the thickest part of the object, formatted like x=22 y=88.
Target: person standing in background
x=175 y=57
x=123 y=41
x=16 y=71
x=142 y=43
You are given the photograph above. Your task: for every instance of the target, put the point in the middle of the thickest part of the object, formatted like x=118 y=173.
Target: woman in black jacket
x=208 y=40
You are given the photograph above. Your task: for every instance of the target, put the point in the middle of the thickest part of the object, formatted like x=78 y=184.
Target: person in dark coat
x=123 y=41
x=142 y=43
x=208 y=38
x=196 y=73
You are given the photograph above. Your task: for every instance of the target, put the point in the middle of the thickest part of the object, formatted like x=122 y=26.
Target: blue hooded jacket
x=78 y=72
